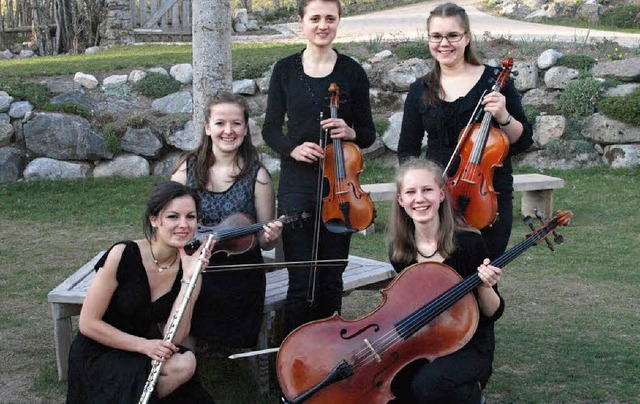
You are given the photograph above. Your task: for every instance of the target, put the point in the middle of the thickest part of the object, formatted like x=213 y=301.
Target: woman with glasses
x=441 y=103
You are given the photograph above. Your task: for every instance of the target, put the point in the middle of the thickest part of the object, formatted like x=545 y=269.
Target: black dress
x=459 y=376
x=101 y=374
x=228 y=312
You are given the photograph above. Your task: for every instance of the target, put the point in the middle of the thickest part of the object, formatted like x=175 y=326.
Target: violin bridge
x=373 y=351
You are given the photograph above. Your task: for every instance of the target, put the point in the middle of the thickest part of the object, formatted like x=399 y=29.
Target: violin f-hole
x=343 y=332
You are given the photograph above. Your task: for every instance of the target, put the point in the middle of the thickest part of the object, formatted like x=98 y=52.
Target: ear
x=399 y=198
x=443 y=194
x=154 y=221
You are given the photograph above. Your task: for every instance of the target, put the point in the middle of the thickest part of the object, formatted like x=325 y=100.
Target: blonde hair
x=400 y=237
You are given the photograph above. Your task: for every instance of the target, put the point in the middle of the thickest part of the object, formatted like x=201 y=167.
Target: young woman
x=423 y=228
x=226 y=172
x=139 y=284
x=299 y=90
x=441 y=104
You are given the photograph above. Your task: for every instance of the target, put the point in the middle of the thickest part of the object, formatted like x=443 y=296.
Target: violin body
x=346 y=207
x=301 y=365
x=471 y=188
x=481 y=148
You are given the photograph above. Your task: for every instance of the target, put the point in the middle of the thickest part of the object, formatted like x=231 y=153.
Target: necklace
x=155 y=261
x=427 y=256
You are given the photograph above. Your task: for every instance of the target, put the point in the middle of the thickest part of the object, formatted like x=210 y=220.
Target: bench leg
x=540 y=200
x=62 y=335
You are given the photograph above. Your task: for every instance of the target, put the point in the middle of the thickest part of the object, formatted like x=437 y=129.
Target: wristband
x=506 y=123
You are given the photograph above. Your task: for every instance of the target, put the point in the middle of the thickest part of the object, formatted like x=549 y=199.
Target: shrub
x=579 y=62
x=37 y=94
x=410 y=50
x=158 y=85
x=624 y=109
x=567 y=149
x=137 y=121
x=111 y=139
x=381 y=124
x=627 y=16
x=531 y=112
x=580 y=96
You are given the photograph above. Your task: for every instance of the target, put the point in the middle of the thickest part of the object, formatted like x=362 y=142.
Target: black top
x=445 y=121
x=301 y=98
x=470 y=252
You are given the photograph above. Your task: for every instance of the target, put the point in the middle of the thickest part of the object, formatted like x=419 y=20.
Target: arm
x=412 y=130
x=272 y=132
x=95 y=305
x=264 y=197
x=488 y=299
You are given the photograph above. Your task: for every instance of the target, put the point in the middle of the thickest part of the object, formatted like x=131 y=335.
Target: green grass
x=569 y=332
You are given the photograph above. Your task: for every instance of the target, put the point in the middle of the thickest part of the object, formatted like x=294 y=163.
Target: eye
x=454 y=36
x=435 y=37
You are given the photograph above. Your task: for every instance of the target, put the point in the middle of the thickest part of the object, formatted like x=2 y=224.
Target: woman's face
x=320 y=23
x=177 y=222
x=226 y=127
x=446 y=52
x=420 y=195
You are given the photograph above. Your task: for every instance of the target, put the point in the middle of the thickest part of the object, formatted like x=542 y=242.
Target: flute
x=173 y=326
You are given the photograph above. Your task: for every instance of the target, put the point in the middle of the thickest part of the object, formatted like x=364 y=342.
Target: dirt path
x=409 y=22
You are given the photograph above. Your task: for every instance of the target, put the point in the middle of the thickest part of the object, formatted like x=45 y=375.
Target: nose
x=227 y=128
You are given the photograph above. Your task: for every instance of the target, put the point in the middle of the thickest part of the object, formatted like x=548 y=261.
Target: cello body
x=303 y=364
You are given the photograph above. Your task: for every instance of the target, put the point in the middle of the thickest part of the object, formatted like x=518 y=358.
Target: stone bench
x=67 y=298
x=536 y=189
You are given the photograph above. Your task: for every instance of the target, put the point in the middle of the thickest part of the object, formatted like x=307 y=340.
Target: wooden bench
x=536 y=189
x=66 y=299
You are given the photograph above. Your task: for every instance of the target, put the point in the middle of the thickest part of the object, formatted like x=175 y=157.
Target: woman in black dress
x=423 y=228
x=442 y=102
x=226 y=172
x=138 y=285
x=299 y=91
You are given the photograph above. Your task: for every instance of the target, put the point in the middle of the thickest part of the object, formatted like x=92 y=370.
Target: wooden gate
x=161 y=16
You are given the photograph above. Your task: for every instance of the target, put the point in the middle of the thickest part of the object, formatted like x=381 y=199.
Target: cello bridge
x=373 y=351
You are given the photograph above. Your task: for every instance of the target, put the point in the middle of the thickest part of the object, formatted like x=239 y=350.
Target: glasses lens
x=454 y=37
x=435 y=38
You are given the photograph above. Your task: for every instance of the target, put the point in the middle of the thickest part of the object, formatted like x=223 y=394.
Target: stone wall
x=52 y=145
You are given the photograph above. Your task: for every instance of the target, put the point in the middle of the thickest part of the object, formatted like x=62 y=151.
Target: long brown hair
x=247 y=154
x=432 y=87
x=400 y=237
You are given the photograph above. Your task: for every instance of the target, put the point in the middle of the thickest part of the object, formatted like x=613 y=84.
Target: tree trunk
x=211 y=39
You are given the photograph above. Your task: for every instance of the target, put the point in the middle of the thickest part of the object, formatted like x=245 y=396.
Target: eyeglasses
x=451 y=37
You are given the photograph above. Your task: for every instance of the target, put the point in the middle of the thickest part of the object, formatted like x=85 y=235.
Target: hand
x=308 y=152
x=338 y=129
x=271 y=231
x=190 y=262
x=159 y=350
x=489 y=274
x=495 y=103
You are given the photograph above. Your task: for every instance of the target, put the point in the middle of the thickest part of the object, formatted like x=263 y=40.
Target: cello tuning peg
x=514 y=72
x=528 y=220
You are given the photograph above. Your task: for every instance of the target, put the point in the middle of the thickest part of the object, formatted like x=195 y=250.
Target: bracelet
x=506 y=123
x=186 y=282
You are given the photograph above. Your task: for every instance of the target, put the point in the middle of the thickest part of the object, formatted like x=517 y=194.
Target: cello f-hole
x=343 y=332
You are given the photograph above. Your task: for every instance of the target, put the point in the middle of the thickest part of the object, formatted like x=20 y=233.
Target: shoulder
x=468 y=240
x=287 y=62
x=263 y=176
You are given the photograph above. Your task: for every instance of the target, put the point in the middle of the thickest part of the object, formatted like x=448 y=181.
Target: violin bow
x=274 y=265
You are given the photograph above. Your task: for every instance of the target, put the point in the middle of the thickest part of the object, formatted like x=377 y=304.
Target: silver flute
x=156 y=365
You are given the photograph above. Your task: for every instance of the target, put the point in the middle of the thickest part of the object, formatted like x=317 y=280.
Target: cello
x=360 y=358
x=481 y=148
x=346 y=208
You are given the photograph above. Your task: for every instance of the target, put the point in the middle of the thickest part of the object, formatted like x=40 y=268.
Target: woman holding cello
x=442 y=103
x=226 y=172
x=423 y=228
x=299 y=90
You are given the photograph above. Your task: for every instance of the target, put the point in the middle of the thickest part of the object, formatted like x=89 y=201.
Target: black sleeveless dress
x=101 y=374
x=228 y=312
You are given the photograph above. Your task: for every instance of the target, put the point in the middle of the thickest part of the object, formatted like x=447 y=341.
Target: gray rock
x=123 y=166
x=244 y=87
x=51 y=169
x=182 y=73
x=115 y=80
x=92 y=50
x=622 y=155
x=19 y=109
x=79 y=97
x=622 y=90
x=559 y=76
x=64 y=137
x=165 y=166
x=12 y=162
x=403 y=75
x=160 y=70
x=180 y=102
x=6 y=133
x=624 y=70
x=541 y=98
x=548 y=58
x=186 y=139
x=136 y=75
x=142 y=142
x=86 y=80
x=527 y=77
x=5 y=102
x=547 y=128
x=602 y=129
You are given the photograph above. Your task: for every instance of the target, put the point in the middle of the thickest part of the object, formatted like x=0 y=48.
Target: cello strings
x=427 y=313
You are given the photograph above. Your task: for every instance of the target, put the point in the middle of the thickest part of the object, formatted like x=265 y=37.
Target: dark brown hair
x=302 y=5
x=161 y=195
x=247 y=154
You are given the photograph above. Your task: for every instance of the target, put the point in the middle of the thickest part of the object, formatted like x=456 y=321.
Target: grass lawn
x=569 y=334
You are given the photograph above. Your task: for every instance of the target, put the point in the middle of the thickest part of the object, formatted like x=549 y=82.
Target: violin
x=481 y=148
x=346 y=208
x=428 y=311
x=235 y=234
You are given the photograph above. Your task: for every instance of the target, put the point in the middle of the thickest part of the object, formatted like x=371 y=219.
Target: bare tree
x=211 y=39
